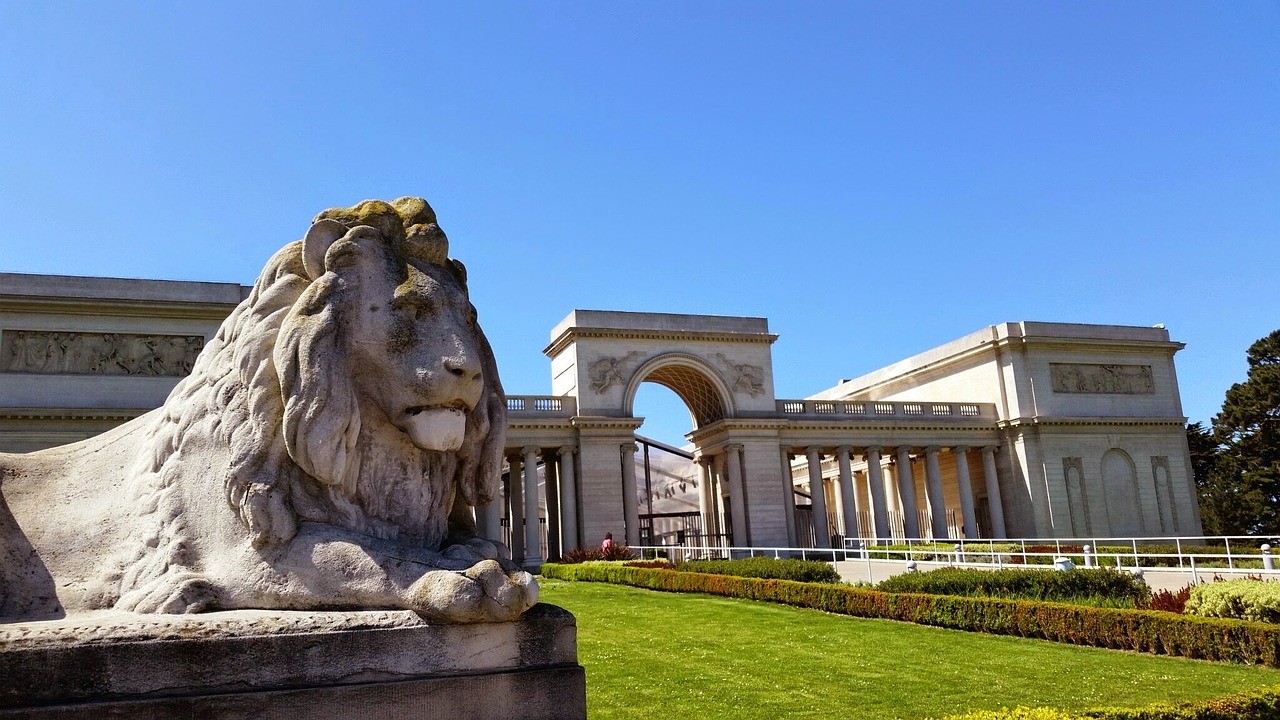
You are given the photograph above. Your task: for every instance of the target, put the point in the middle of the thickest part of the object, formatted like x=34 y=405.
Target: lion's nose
x=463 y=367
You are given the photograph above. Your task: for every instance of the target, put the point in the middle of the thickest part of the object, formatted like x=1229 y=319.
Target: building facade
x=1018 y=430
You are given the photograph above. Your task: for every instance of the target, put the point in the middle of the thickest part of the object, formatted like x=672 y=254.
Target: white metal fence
x=1237 y=555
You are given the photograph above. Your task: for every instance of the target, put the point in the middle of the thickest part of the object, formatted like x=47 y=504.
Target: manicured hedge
x=765 y=567
x=1245 y=599
x=1255 y=705
x=1122 y=629
x=1024 y=584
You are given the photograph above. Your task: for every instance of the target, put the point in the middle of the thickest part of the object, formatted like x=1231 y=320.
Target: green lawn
x=663 y=655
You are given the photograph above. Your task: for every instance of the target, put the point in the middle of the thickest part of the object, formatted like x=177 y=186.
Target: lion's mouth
x=436 y=427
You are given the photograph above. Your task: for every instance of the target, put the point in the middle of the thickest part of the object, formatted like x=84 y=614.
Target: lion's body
x=300 y=465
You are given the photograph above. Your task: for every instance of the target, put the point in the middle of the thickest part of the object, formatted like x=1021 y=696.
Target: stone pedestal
x=292 y=665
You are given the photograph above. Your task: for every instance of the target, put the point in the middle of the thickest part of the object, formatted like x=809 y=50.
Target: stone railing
x=541 y=406
x=881 y=410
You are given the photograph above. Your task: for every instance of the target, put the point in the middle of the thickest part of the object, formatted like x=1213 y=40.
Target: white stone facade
x=1018 y=430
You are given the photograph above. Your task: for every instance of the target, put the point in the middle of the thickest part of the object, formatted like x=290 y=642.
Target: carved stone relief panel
x=744 y=378
x=1102 y=379
x=93 y=353
x=608 y=371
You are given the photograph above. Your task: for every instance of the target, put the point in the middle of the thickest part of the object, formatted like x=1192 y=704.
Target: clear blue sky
x=875 y=178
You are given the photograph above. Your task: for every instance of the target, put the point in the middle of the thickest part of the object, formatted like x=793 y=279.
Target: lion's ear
x=322 y=235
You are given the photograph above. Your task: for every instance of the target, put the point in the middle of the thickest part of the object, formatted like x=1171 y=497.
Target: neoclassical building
x=1017 y=430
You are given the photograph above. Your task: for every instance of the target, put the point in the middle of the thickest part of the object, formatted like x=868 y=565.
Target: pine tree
x=1240 y=492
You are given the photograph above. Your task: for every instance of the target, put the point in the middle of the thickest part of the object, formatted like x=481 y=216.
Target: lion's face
x=391 y=394
x=415 y=352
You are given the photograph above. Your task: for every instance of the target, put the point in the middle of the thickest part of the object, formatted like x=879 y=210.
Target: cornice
x=115 y=307
x=592 y=422
x=1065 y=421
x=1104 y=343
x=56 y=414
x=571 y=334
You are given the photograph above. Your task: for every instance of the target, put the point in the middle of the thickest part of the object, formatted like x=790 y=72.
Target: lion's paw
x=172 y=595
x=485 y=592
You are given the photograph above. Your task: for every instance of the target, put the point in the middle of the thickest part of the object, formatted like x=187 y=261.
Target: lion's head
x=362 y=391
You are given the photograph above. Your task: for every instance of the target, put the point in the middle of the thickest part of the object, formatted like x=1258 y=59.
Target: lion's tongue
x=440 y=429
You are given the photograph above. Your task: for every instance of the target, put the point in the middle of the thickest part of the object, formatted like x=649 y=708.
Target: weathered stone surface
x=326 y=452
x=255 y=664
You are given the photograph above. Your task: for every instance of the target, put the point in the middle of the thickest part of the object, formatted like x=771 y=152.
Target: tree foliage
x=1237 y=463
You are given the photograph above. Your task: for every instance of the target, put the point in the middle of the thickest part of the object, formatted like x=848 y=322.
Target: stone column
x=737 y=494
x=515 y=508
x=875 y=490
x=788 y=494
x=706 y=500
x=719 y=491
x=966 y=491
x=993 y=491
x=551 y=491
x=848 y=495
x=568 y=500
x=933 y=491
x=492 y=518
x=907 y=492
x=821 y=531
x=630 y=503
x=532 y=536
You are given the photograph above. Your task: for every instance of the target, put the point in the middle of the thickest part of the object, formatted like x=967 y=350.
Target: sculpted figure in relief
x=325 y=453
x=607 y=372
x=747 y=378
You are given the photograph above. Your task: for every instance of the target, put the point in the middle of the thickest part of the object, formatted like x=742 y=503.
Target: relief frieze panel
x=1102 y=379
x=94 y=353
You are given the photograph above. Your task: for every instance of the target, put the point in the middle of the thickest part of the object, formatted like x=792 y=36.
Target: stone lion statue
x=325 y=452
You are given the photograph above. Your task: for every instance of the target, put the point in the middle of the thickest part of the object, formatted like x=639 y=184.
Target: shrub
x=763 y=567
x=651 y=564
x=1089 y=585
x=1121 y=629
x=1261 y=704
x=581 y=554
x=1245 y=599
x=1165 y=601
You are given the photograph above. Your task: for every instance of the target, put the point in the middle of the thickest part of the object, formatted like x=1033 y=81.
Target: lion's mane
x=274 y=378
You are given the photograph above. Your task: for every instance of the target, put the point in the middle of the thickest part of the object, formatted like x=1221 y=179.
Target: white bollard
x=959 y=554
x=1063 y=563
x=911 y=566
x=1088 y=556
x=1268 y=563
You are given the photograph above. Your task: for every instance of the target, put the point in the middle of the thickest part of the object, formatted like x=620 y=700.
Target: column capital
x=873 y=449
x=630 y=447
x=530 y=450
x=846 y=449
x=732 y=447
x=960 y=449
x=933 y=449
x=567 y=449
x=813 y=449
x=990 y=449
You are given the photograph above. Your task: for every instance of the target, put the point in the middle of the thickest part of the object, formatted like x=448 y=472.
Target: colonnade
x=521 y=500
x=721 y=493
x=841 y=495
